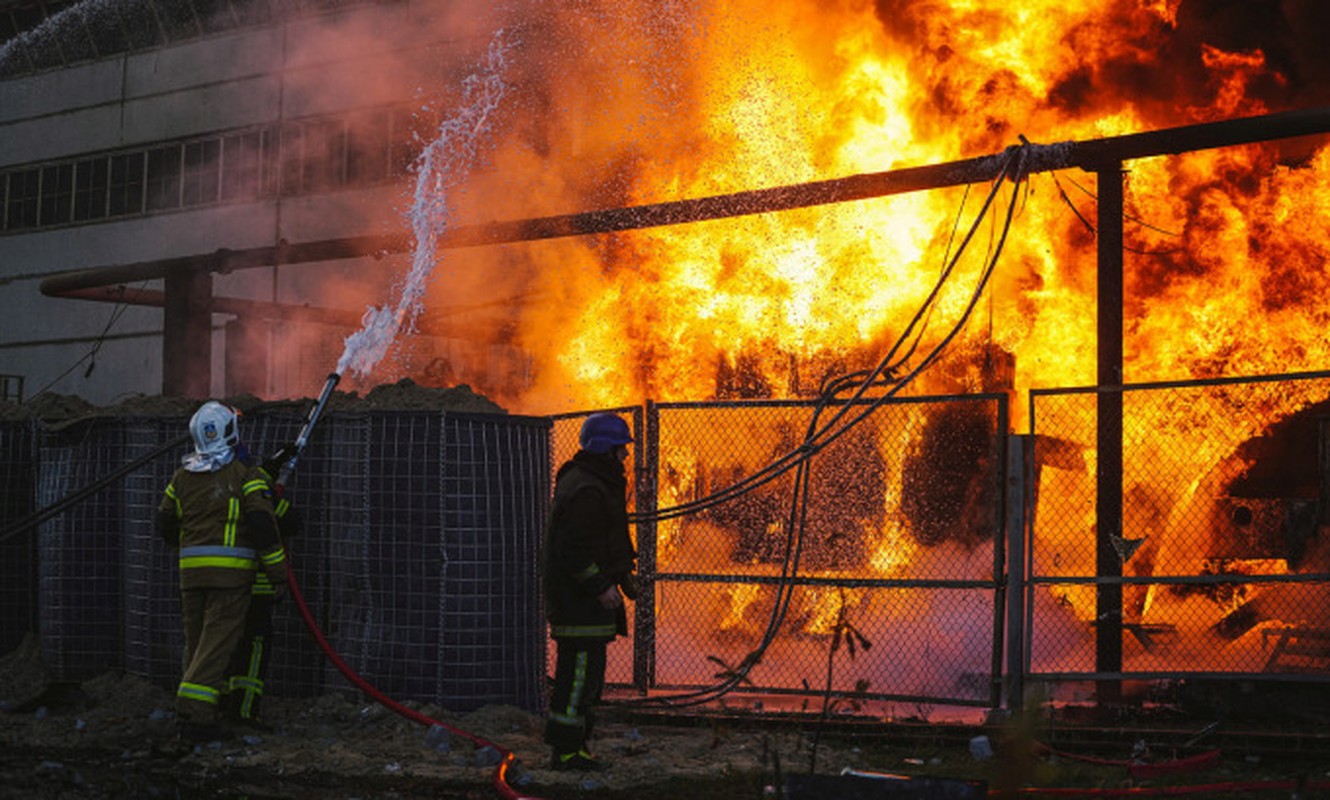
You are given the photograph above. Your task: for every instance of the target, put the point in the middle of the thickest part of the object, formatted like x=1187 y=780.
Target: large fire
x=656 y=102
x=633 y=103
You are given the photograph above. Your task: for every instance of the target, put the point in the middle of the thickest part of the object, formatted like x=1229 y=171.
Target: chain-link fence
x=1195 y=551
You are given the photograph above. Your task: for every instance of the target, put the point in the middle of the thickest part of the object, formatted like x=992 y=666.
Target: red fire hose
x=506 y=756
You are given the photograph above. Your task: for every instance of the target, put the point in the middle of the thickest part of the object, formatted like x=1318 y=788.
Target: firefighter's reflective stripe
x=217 y=556
x=589 y=572
x=175 y=498
x=283 y=506
x=198 y=692
x=232 y=522
x=255 y=485
x=250 y=683
x=585 y=631
x=274 y=556
x=262 y=585
x=569 y=716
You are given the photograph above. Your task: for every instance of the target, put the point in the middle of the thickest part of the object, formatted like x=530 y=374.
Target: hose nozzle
x=285 y=473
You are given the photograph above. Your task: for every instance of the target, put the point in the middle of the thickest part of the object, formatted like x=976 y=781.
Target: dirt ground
x=113 y=737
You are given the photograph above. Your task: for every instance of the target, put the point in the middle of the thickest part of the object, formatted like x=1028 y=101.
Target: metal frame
x=647 y=431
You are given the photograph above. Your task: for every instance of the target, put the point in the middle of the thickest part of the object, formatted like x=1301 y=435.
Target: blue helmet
x=603 y=431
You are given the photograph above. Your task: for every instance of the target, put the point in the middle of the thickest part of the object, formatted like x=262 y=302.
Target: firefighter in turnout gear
x=589 y=564
x=248 y=671
x=218 y=511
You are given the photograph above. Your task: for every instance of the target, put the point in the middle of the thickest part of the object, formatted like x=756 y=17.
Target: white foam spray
x=443 y=164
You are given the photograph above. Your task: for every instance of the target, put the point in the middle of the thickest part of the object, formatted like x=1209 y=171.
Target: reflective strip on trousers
x=198 y=692
x=570 y=716
x=250 y=683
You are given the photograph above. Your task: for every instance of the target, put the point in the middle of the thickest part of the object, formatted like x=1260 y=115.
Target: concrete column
x=187 y=335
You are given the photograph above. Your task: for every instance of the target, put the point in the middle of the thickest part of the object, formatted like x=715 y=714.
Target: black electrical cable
x=1094 y=232
x=38 y=517
x=1137 y=220
x=812 y=444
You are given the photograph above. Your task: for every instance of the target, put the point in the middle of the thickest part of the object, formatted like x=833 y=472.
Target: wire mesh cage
x=18 y=577
x=418 y=557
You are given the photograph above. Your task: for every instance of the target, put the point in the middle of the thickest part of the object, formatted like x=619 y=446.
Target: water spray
x=284 y=474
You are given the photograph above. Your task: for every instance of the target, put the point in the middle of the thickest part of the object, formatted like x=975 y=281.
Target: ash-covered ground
x=113 y=737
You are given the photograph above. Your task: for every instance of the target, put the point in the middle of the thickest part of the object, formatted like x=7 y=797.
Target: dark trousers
x=579 y=678
x=214 y=620
x=248 y=671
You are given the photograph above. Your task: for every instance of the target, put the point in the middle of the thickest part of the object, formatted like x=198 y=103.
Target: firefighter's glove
x=628 y=585
x=275 y=463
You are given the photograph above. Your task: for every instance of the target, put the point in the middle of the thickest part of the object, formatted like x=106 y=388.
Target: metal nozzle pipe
x=303 y=439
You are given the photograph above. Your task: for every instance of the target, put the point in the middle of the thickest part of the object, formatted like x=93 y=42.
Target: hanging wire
x=1093 y=232
x=91 y=356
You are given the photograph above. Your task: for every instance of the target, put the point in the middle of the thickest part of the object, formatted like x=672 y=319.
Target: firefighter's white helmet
x=215 y=429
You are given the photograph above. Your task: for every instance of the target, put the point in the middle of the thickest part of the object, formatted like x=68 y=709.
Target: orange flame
x=636 y=103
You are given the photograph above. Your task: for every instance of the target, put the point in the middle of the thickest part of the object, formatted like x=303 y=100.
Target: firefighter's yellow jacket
x=223 y=524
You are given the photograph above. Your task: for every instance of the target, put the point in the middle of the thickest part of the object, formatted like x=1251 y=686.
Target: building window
x=126 y=184
x=91 y=186
x=21 y=207
x=242 y=156
x=325 y=155
x=367 y=149
x=11 y=388
x=403 y=145
x=57 y=205
x=291 y=158
x=164 y=178
x=201 y=177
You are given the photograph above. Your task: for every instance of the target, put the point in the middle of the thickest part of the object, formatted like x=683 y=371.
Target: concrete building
x=199 y=197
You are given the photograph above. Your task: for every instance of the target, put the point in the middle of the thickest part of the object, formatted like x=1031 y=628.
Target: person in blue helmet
x=589 y=563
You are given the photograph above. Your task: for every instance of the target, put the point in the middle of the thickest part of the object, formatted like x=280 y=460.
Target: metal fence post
x=644 y=609
x=1108 y=613
x=1016 y=520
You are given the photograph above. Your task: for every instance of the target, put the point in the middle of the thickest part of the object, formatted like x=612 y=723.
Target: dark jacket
x=587 y=547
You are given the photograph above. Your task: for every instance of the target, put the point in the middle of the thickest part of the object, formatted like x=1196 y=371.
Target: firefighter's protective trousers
x=579 y=678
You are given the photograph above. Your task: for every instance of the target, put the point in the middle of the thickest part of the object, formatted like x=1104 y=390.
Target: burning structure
x=264 y=222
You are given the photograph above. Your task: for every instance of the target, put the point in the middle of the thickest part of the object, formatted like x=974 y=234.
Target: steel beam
x=1087 y=155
